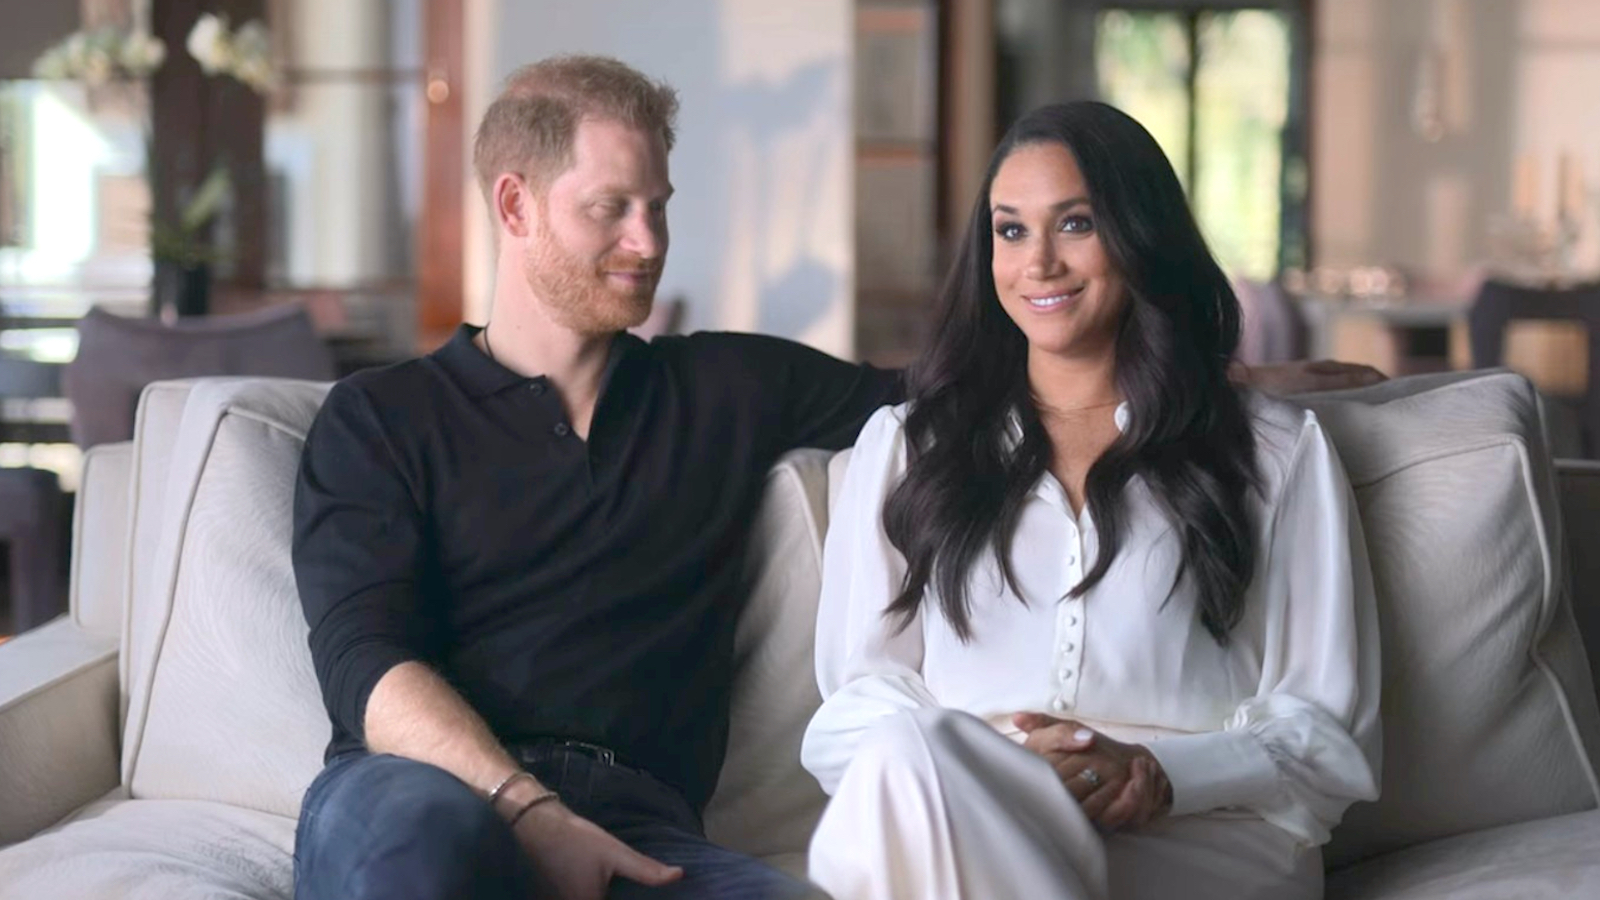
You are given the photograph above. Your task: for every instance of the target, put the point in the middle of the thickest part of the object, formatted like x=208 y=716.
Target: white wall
x=1521 y=80
x=761 y=221
x=333 y=147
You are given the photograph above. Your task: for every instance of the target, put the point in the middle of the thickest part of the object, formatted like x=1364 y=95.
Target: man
x=520 y=555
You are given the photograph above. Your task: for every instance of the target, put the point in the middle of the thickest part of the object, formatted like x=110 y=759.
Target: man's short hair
x=530 y=127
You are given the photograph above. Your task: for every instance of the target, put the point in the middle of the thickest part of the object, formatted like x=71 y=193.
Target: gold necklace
x=1084 y=408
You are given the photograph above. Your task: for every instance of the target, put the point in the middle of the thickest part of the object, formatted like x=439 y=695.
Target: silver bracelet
x=504 y=782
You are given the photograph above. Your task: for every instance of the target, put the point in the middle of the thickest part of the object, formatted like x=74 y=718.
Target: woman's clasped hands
x=1118 y=785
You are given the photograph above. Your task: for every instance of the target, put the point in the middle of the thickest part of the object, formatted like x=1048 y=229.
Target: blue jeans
x=383 y=826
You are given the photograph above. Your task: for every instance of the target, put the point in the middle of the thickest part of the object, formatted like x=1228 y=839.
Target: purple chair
x=118 y=356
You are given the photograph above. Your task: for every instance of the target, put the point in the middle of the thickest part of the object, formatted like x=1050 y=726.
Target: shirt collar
x=481 y=376
x=1050 y=490
x=471 y=368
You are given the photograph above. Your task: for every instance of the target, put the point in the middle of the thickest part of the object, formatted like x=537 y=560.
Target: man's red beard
x=581 y=297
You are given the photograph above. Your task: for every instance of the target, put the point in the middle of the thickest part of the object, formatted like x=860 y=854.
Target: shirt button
x=1066 y=674
x=1072 y=620
x=561 y=429
x=1071 y=647
x=537 y=387
x=1058 y=704
x=1072 y=560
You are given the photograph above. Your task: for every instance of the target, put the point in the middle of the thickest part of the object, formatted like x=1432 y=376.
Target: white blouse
x=1282 y=722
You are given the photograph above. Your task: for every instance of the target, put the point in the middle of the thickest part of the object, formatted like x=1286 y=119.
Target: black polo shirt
x=447 y=513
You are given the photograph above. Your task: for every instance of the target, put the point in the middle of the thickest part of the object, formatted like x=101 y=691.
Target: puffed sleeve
x=866 y=668
x=1307 y=744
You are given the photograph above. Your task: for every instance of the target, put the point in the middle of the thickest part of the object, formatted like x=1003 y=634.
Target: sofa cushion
x=223 y=700
x=120 y=849
x=1549 y=859
x=765 y=803
x=1489 y=712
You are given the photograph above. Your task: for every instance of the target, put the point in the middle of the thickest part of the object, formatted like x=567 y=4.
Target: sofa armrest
x=58 y=725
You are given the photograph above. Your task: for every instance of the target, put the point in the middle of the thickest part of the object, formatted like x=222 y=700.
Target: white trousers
x=937 y=804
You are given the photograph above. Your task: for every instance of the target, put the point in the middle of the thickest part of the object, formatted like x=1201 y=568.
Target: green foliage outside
x=1240 y=106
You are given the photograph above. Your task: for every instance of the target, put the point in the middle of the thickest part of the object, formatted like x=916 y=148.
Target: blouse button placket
x=1069 y=633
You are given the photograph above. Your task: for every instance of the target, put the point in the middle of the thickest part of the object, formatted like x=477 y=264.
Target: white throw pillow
x=1489 y=712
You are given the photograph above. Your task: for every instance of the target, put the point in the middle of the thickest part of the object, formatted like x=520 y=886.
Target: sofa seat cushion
x=121 y=849
x=1541 y=860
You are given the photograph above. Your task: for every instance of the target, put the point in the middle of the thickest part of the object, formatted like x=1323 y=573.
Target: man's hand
x=575 y=859
x=1128 y=787
x=415 y=713
x=1305 y=376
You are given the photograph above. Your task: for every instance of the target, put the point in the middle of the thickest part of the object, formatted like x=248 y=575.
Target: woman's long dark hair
x=1188 y=437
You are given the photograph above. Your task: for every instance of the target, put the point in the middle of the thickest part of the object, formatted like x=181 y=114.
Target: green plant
x=181 y=242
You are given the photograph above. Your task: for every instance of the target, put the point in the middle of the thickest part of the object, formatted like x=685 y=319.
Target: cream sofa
x=156 y=741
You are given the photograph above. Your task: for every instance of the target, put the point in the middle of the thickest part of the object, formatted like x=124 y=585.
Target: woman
x=1094 y=622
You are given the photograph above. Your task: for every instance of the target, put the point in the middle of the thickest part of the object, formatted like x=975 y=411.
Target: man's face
x=598 y=239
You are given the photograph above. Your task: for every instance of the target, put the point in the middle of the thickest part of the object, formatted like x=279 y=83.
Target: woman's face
x=1050 y=267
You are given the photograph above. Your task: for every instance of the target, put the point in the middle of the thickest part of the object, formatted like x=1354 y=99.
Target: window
x=73 y=200
x=1221 y=85
x=1213 y=87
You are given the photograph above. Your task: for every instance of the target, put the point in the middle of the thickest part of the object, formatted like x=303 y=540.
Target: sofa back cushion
x=1489 y=712
x=223 y=701
x=766 y=804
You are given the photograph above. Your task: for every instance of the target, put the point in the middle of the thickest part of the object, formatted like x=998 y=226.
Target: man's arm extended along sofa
x=155 y=742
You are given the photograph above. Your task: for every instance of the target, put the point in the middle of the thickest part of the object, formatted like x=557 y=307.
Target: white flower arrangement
x=245 y=54
x=208 y=43
x=98 y=56
x=101 y=55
